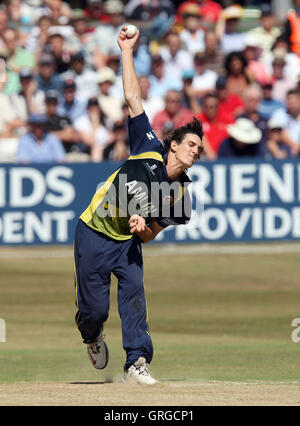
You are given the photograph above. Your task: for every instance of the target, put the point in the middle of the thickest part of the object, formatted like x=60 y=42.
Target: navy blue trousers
x=96 y=257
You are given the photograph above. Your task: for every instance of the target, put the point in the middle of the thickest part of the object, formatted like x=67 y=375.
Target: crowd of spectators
x=61 y=97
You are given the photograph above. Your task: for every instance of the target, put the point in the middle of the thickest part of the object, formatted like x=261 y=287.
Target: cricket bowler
x=145 y=195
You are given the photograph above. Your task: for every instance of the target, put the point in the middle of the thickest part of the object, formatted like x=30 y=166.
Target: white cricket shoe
x=98 y=352
x=139 y=373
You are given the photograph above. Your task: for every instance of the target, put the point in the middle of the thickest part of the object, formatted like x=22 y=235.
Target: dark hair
x=178 y=134
x=292 y=92
x=230 y=57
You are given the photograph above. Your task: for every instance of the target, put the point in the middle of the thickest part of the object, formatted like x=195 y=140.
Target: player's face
x=189 y=150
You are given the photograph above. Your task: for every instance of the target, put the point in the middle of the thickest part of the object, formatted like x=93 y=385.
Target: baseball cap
x=274 y=123
x=52 y=95
x=113 y=6
x=157 y=58
x=191 y=9
x=235 y=11
x=187 y=74
x=77 y=56
x=46 y=58
x=265 y=9
x=69 y=83
x=221 y=83
x=25 y=73
x=37 y=119
x=106 y=74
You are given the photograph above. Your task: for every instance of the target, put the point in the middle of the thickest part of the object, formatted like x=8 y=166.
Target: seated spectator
x=151 y=104
x=104 y=39
x=160 y=82
x=289 y=117
x=192 y=34
x=176 y=58
x=29 y=100
x=190 y=100
x=277 y=146
x=210 y=10
x=204 y=80
x=85 y=79
x=268 y=105
x=266 y=33
x=62 y=57
x=82 y=33
x=214 y=122
x=231 y=40
x=9 y=124
x=61 y=126
x=280 y=48
x=92 y=130
x=17 y=58
x=69 y=104
x=94 y=12
x=252 y=99
x=118 y=149
x=3 y=26
x=237 y=74
x=256 y=69
x=243 y=141
x=173 y=112
x=37 y=146
x=229 y=103
x=281 y=83
x=109 y=104
x=47 y=78
x=38 y=35
x=214 y=56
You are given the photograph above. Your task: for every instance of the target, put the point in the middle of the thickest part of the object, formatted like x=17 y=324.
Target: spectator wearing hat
x=176 y=58
x=118 y=149
x=174 y=113
x=61 y=126
x=277 y=145
x=104 y=39
x=71 y=105
x=85 y=78
x=204 y=80
x=210 y=10
x=109 y=104
x=227 y=29
x=243 y=141
x=160 y=82
x=268 y=105
x=267 y=32
x=92 y=129
x=37 y=146
x=281 y=48
x=192 y=35
x=281 y=82
x=214 y=122
x=228 y=102
x=29 y=100
x=17 y=58
x=214 y=56
x=289 y=117
x=47 y=78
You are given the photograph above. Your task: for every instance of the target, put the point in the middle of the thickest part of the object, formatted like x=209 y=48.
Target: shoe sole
x=107 y=358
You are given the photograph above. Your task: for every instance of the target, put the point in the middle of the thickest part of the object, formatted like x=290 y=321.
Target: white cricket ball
x=131 y=31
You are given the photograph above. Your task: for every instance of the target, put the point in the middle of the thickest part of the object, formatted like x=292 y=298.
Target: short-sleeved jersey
x=140 y=186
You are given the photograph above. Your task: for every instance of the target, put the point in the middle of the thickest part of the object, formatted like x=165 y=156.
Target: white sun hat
x=244 y=130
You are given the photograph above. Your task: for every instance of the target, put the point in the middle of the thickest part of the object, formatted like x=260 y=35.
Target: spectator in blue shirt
x=71 y=105
x=36 y=146
x=268 y=105
x=47 y=79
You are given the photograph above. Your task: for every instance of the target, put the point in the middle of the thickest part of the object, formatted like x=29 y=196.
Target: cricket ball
x=131 y=31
